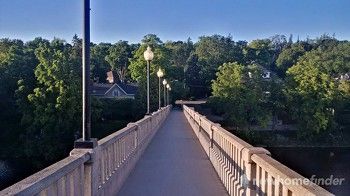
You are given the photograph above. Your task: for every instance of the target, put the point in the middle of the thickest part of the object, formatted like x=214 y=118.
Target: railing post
x=92 y=171
x=250 y=168
x=136 y=138
x=212 y=134
x=199 y=123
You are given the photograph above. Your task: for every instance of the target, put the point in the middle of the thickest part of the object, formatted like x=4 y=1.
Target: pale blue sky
x=130 y=20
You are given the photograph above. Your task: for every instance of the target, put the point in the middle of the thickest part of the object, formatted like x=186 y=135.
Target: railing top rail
x=44 y=178
x=232 y=138
x=110 y=139
x=280 y=172
x=236 y=141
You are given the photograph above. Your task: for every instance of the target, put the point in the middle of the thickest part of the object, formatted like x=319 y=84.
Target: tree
x=239 y=88
x=314 y=89
x=259 y=52
x=99 y=65
x=56 y=103
x=289 y=57
x=213 y=51
x=180 y=51
x=161 y=59
x=193 y=77
x=151 y=40
x=118 y=58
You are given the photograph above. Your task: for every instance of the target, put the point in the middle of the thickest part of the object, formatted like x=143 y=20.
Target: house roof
x=129 y=88
x=101 y=89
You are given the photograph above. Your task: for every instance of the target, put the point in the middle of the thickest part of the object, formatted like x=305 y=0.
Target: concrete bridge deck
x=174 y=163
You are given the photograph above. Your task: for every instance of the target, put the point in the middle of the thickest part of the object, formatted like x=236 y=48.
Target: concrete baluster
x=92 y=171
x=251 y=170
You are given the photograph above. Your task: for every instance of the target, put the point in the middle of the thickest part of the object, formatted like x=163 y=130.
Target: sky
x=130 y=20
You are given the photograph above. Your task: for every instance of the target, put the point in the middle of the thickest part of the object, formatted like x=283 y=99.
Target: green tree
x=314 y=88
x=239 y=88
x=118 y=58
x=289 y=57
x=99 y=65
x=213 y=51
x=259 y=52
x=161 y=59
x=56 y=103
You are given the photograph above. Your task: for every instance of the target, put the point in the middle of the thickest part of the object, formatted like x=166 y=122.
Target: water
x=12 y=172
x=6 y=174
x=321 y=162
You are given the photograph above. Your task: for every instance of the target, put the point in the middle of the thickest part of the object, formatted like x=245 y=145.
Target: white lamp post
x=164 y=88
x=169 y=95
x=160 y=74
x=148 y=55
x=168 y=87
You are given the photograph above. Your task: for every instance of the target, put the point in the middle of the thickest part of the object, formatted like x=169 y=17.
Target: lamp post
x=86 y=141
x=148 y=55
x=160 y=74
x=164 y=88
x=168 y=87
x=169 y=95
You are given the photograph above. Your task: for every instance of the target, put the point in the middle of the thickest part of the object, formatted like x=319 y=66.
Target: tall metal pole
x=148 y=65
x=159 y=102
x=86 y=73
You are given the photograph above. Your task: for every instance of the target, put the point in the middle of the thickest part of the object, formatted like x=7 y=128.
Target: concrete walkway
x=174 y=163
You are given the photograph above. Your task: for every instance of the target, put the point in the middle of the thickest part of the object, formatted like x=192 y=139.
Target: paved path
x=174 y=163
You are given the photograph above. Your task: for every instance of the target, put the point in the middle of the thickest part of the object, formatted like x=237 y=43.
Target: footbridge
x=170 y=152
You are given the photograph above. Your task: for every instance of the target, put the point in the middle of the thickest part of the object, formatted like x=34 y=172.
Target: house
x=266 y=74
x=116 y=90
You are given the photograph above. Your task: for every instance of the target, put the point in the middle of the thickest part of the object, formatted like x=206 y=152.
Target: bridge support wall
x=98 y=171
x=243 y=168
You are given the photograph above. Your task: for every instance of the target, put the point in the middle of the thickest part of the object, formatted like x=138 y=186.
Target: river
x=330 y=162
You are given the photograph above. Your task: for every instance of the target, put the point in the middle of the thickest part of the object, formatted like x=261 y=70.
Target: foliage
x=99 y=65
x=242 y=93
x=314 y=88
x=118 y=58
x=40 y=86
x=138 y=65
x=289 y=57
x=55 y=102
x=213 y=51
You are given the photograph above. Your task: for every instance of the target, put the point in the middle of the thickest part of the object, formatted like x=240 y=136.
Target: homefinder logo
x=330 y=181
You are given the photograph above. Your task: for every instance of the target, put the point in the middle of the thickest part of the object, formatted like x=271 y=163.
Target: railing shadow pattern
x=243 y=168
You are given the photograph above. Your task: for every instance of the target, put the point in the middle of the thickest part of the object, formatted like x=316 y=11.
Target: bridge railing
x=98 y=171
x=243 y=168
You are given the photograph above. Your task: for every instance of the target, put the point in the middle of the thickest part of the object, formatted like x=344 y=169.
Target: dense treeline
x=308 y=86
x=40 y=85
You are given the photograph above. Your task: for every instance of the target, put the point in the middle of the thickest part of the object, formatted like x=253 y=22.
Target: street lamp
x=160 y=74
x=86 y=141
x=169 y=95
x=168 y=87
x=164 y=88
x=148 y=55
